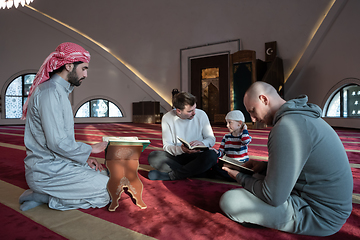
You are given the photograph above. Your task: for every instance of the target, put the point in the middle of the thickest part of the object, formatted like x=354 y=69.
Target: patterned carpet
x=186 y=209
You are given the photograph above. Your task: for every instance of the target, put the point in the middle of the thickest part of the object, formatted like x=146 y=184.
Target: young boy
x=235 y=143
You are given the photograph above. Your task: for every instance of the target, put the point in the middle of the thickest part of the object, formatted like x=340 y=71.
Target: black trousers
x=184 y=165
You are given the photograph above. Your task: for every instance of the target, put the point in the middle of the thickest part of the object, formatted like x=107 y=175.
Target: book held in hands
x=187 y=145
x=234 y=164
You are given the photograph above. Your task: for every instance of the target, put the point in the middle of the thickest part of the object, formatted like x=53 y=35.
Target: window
x=345 y=102
x=18 y=90
x=16 y=95
x=98 y=108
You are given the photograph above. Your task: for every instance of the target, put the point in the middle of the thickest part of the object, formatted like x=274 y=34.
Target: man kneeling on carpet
x=187 y=122
x=58 y=169
x=308 y=184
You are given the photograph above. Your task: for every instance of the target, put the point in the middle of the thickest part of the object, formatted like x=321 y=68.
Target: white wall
x=334 y=59
x=28 y=43
x=147 y=36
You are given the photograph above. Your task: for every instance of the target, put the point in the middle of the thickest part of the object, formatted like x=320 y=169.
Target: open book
x=192 y=147
x=234 y=164
x=126 y=141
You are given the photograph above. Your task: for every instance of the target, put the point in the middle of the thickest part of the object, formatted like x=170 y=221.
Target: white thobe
x=55 y=163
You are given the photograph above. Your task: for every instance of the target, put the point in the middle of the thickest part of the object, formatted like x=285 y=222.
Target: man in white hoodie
x=191 y=124
x=307 y=183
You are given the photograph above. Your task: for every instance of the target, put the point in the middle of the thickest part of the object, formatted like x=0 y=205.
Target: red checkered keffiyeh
x=65 y=53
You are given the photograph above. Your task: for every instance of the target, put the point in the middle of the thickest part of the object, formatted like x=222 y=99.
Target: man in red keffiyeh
x=65 y=53
x=58 y=169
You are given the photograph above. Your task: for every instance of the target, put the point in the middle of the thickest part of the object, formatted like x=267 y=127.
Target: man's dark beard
x=73 y=78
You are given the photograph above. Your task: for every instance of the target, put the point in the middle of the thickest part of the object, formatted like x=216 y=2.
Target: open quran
x=126 y=141
x=187 y=145
x=234 y=164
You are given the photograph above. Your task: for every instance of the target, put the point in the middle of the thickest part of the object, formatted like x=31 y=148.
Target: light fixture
x=9 y=3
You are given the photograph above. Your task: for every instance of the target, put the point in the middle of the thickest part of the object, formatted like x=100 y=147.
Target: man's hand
x=196 y=143
x=256 y=166
x=232 y=173
x=94 y=164
x=193 y=143
x=99 y=147
x=217 y=152
x=188 y=151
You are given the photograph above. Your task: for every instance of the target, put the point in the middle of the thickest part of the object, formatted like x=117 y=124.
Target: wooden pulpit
x=122 y=161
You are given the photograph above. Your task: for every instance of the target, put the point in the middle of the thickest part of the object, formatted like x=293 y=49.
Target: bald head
x=262 y=101
x=260 y=88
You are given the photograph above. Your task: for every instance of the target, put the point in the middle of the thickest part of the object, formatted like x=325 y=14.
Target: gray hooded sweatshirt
x=308 y=164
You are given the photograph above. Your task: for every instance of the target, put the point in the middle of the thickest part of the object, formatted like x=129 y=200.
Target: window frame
x=331 y=98
x=90 y=109
x=23 y=94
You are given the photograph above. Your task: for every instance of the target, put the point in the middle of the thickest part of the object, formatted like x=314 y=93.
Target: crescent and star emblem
x=269 y=51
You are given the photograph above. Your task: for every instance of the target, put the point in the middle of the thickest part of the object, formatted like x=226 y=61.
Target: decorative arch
x=98 y=107
x=343 y=99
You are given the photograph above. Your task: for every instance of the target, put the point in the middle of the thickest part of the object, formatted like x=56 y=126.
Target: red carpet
x=186 y=209
x=17 y=226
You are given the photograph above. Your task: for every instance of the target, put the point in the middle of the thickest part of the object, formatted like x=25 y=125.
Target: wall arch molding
x=330 y=94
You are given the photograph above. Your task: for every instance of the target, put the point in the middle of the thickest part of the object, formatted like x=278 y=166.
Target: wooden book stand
x=122 y=162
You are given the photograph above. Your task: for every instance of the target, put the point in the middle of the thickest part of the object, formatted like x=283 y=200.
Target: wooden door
x=212 y=93
x=242 y=75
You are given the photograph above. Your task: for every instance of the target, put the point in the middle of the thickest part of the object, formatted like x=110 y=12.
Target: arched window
x=345 y=102
x=98 y=108
x=16 y=94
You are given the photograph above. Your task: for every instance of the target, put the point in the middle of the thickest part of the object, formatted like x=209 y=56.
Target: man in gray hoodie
x=305 y=187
